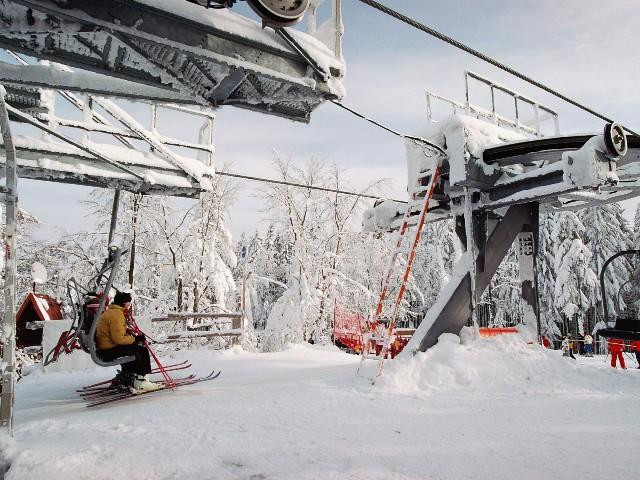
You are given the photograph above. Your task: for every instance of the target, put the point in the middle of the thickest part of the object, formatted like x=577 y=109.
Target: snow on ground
x=488 y=409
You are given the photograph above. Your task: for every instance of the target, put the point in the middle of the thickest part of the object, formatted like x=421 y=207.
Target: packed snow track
x=487 y=409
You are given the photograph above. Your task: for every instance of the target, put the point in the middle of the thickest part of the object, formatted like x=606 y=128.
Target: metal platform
x=494 y=183
x=138 y=158
x=539 y=176
x=180 y=52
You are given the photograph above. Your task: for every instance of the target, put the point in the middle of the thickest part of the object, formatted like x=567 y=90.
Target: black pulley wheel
x=615 y=139
x=280 y=13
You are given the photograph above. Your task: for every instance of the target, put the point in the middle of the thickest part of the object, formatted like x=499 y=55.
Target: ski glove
x=140 y=338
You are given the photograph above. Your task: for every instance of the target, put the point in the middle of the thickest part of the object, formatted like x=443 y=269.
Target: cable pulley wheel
x=615 y=139
x=279 y=13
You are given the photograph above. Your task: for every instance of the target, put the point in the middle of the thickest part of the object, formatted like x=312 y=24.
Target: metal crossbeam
x=212 y=57
x=86 y=82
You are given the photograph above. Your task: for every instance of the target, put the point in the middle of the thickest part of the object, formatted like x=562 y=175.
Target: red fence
x=348 y=328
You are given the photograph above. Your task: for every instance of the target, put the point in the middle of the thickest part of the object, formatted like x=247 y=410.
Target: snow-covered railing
x=532 y=127
x=155 y=168
x=200 y=325
x=538 y=110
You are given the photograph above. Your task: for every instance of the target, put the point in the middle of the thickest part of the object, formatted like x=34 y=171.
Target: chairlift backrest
x=93 y=305
x=87 y=307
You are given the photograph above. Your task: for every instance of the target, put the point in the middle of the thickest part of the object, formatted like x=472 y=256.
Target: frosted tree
x=301 y=214
x=636 y=228
x=319 y=227
x=266 y=269
x=606 y=233
x=503 y=294
x=210 y=251
x=550 y=316
x=576 y=283
x=434 y=261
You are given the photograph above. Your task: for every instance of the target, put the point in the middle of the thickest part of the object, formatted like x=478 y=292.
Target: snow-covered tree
x=504 y=292
x=636 y=228
x=550 y=316
x=606 y=233
x=319 y=228
x=576 y=283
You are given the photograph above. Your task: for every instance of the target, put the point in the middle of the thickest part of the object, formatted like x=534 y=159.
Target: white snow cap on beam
x=466 y=138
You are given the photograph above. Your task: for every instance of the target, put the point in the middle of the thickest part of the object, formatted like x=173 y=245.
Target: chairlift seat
x=625 y=329
x=88 y=307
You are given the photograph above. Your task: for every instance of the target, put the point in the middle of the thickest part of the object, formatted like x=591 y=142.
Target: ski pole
x=161 y=367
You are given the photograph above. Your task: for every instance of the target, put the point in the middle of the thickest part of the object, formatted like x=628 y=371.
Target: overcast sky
x=586 y=49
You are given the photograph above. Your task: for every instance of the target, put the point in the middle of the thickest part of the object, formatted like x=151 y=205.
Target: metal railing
x=533 y=127
x=94 y=122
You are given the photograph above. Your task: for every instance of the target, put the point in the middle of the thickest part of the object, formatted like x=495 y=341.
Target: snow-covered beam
x=56 y=162
x=52 y=77
x=213 y=56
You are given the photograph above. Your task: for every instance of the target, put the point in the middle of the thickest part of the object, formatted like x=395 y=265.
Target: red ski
x=169 y=368
x=212 y=376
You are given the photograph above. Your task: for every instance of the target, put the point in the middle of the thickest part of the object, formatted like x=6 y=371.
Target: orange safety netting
x=492 y=332
x=348 y=328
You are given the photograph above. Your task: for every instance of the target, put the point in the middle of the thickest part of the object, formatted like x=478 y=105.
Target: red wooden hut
x=36 y=309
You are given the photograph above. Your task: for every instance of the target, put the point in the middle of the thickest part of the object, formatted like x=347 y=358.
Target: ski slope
x=488 y=409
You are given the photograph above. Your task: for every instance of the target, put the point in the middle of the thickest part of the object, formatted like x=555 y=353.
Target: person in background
x=588 y=345
x=546 y=343
x=616 y=347
x=635 y=346
x=113 y=341
x=566 y=347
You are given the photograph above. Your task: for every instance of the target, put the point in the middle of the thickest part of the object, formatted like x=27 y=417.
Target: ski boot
x=123 y=380
x=142 y=384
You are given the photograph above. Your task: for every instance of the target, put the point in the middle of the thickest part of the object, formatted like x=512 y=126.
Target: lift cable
x=418 y=140
x=301 y=185
x=482 y=56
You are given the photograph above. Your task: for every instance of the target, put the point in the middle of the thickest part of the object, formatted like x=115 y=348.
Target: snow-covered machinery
x=498 y=175
x=277 y=13
x=177 y=51
x=627 y=321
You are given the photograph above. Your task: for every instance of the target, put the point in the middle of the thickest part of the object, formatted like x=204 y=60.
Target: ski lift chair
x=88 y=304
x=627 y=323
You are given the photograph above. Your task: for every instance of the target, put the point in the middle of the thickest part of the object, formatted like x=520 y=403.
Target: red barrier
x=347 y=328
x=492 y=332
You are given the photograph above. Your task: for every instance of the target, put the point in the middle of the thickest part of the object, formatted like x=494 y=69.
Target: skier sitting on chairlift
x=113 y=341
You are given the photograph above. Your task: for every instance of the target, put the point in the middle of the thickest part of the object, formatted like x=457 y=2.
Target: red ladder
x=389 y=334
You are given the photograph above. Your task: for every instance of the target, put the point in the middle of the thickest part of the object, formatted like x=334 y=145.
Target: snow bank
x=502 y=364
x=301 y=414
x=76 y=360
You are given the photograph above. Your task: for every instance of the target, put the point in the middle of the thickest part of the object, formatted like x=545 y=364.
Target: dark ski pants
x=140 y=366
x=638 y=358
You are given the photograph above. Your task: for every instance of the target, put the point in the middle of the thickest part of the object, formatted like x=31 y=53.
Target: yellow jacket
x=112 y=329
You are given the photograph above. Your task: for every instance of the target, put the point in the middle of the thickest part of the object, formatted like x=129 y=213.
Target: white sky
x=586 y=49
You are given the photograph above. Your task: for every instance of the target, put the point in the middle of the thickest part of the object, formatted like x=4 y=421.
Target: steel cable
x=482 y=56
